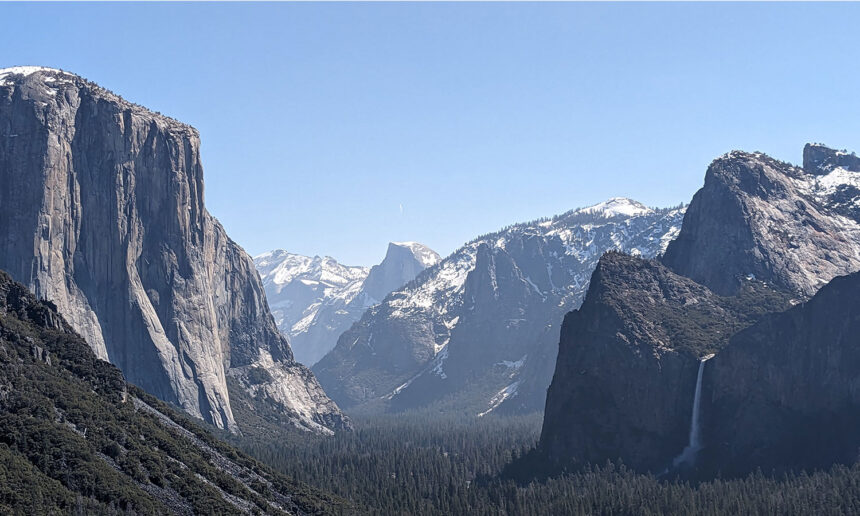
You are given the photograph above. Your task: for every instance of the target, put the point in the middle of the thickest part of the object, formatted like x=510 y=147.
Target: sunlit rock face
x=796 y=228
x=101 y=211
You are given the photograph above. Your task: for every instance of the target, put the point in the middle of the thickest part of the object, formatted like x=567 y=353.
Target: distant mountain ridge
x=477 y=331
x=316 y=299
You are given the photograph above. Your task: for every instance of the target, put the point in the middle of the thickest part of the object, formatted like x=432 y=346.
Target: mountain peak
x=423 y=254
x=818 y=159
x=26 y=71
x=759 y=216
x=46 y=85
x=618 y=206
x=403 y=261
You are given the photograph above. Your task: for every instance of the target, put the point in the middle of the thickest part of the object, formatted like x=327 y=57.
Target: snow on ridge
x=828 y=183
x=618 y=206
x=438 y=289
x=508 y=392
x=26 y=71
x=643 y=229
x=426 y=256
x=280 y=267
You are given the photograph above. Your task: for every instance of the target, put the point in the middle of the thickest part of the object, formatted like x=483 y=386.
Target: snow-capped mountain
x=298 y=287
x=316 y=299
x=479 y=330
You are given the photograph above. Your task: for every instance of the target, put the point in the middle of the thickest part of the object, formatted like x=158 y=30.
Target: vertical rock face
x=478 y=331
x=628 y=361
x=760 y=236
x=795 y=228
x=101 y=211
x=403 y=261
x=822 y=160
x=785 y=392
x=314 y=300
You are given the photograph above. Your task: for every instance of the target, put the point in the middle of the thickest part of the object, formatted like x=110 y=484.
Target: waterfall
x=688 y=456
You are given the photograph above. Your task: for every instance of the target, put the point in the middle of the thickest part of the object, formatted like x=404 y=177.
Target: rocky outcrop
x=314 y=300
x=785 y=392
x=478 y=332
x=402 y=263
x=796 y=228
x=821 y=160
x=101 y=211
x=760 y=236
x=628 y=361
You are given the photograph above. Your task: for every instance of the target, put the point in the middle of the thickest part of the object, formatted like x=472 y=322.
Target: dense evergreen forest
x=430 y=464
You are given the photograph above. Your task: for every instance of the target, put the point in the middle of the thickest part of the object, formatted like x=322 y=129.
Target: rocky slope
x=101 y=211
x=785 y=393
x=794 y=227
x=628 y=361
x=478 y=331
x=760 y=236
x=76 y=439
x=314 y=300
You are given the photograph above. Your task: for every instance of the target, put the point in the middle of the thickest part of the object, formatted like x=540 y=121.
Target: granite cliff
x=629 y=357
x=785 y=392
x=102 y=213
x=757 y=242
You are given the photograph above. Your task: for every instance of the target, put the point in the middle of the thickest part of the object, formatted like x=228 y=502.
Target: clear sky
x=335 y=128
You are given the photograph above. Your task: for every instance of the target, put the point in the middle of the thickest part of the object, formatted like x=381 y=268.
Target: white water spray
x=688 y=456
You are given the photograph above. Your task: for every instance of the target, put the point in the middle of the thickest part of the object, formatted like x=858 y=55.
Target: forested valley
x=433 y=464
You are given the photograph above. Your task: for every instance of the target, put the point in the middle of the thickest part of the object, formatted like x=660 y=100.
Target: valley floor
x=431 y=464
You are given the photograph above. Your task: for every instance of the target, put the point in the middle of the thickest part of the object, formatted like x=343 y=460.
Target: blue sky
x=335 y=128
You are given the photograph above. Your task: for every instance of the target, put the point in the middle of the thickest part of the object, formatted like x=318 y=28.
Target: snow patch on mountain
x=52 y=79
x=528 y=271
x=508 y=392
x=821 y=187
x=618 y=206
x=315 y=299
x=25 y=71
x=426 y=256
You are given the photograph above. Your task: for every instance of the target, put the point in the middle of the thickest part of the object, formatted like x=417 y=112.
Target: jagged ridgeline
x=75 y=438
x=314 y=300
x=758 y=241
x=102 y=212
x=477 y=332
